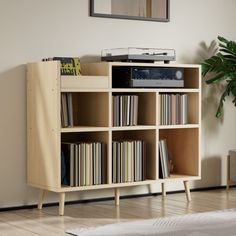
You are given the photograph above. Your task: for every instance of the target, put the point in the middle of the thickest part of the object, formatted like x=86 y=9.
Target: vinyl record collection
x=173 y=109
x=66 y=110
x=128 y=161
x=164 y=163
x=83 y=164
x=125 y=110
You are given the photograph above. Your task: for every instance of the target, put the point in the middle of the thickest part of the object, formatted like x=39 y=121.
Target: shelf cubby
x=191 y=77
x=90 y=109
x=146 y=106
x=183 y=150
x=149 y=138
x=192 y=109
x=90 y=137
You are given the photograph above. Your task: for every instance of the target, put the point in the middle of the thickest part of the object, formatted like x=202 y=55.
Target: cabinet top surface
x=155 y=64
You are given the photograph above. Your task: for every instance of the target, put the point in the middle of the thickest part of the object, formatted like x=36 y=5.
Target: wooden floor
x=47 y=222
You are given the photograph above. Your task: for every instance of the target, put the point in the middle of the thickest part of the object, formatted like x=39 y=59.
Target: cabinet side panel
x=43 y=124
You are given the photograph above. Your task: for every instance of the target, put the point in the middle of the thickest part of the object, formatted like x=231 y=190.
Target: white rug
x=217 y=223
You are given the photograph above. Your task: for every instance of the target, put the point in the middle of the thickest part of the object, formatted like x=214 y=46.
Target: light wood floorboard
x=47 y=222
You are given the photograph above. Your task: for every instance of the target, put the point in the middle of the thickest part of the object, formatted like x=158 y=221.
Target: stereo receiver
x=144 y=77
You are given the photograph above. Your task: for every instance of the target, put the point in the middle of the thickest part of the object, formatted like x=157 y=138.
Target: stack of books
x=84 y=164
x=125 y=110
x=66 y=110
x=128 y=161
x=173 y=109
x=164 y=163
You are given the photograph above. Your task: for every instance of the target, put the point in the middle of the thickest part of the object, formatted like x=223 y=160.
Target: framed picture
x=149 y=10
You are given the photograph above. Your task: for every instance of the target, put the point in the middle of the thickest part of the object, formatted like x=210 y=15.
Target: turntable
x=132 y=54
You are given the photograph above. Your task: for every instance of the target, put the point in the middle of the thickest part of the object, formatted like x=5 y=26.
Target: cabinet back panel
x=90 y=109
x=191 y=77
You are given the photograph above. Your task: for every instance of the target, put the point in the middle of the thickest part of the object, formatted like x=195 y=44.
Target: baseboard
x=107 y=199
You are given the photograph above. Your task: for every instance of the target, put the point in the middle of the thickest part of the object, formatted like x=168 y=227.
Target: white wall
x=33 y=29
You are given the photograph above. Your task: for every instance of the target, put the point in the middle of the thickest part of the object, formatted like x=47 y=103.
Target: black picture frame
x=93 y=13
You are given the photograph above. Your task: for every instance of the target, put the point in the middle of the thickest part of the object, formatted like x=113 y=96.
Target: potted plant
x=223 y=66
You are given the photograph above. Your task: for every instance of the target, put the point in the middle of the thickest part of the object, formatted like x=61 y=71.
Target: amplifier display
x=144 y=77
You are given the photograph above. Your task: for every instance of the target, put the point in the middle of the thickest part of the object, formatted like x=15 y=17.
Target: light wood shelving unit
x=92 y=95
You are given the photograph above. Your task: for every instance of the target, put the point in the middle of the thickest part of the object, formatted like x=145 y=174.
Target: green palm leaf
x=221 y=77
x=223 y=64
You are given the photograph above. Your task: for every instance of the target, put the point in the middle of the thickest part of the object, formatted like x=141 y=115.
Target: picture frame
x=147 y=10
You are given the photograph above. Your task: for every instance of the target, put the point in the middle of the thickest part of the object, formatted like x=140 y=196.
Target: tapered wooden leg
x=117 y=212
x=61 y=203
x=228 y=173
x=41 y=198
x=149 y=188
x=187 y=190
x=117 y=196
x=163 y=189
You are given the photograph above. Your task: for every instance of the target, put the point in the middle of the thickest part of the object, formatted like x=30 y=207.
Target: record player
x=132 y=54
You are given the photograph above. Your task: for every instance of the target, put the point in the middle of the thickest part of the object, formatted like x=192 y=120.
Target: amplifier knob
x=179 y=74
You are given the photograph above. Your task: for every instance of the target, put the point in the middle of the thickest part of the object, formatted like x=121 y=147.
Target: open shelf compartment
x=149 y=138
x=89 y=137
x=192 y=108
x=191 y=77
x=183 y=150
x=146 y=107
x=90 y=109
